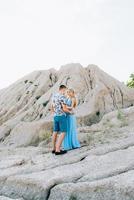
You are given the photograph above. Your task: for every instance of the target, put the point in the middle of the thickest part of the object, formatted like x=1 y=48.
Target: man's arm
x=52 y=108
x=65 y=108
x=64 y=105
x=70 y=108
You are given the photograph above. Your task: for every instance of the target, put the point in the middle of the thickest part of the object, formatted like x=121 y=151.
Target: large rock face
x=25 y=105
x=102 y=169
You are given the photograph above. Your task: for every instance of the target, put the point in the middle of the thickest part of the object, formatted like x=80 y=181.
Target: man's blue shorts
x=60 y=123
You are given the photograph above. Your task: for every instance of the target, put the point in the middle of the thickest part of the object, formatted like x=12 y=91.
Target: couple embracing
x=64 y=125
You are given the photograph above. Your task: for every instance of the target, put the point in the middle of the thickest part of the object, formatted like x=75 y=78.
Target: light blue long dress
x=71 y=138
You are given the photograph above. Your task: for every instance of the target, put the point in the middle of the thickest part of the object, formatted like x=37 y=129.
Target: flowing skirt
x=71 y=138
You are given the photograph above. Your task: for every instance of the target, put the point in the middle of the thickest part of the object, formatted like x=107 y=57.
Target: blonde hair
x=74 y=98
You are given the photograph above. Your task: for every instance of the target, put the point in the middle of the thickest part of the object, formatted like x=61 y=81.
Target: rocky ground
x=102 y=169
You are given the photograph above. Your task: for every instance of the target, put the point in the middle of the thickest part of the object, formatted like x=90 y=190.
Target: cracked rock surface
x=102 y=169
x=25 y=105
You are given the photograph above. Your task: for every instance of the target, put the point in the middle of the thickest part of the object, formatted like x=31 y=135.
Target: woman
x=71 y=137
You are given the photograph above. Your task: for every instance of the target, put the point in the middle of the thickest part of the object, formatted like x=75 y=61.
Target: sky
x=43 y=34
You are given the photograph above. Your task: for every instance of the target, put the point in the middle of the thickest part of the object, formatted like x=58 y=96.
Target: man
x=59 y=109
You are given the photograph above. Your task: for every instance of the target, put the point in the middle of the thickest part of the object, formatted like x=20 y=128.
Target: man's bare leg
x=59 y=142
x=54 y=140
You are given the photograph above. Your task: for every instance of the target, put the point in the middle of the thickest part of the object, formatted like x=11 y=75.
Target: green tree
x=130 y=82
